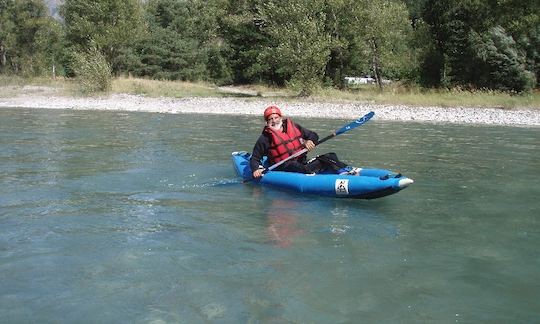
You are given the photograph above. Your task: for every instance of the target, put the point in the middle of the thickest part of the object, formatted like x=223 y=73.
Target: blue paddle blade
x=355 y=123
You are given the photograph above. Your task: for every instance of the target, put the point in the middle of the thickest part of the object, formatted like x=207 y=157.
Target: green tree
x=183 y=42
x=433 y=61
x=341 y=61
x=463 y=30
x=498 y=63
x=7 y=33
x=25 y=37
x=415 y=8
x=521 y=20
x=164 y=55
x=242 y=32
x=50 y=41
x=300 y=46
x=529 y=42
x=169 y=51
x=383 y=32
x=111 y=25
x=208 y=32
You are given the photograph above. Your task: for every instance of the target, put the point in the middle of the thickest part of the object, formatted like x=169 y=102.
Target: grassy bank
x=394 y=94
x=407 y=96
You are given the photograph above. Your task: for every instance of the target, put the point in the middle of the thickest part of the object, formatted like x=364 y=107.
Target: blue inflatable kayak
x=370 y=184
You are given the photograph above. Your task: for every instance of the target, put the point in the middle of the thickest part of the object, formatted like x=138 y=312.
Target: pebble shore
x=255 y=106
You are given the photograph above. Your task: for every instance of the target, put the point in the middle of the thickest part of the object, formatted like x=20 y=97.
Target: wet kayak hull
x=370 y=184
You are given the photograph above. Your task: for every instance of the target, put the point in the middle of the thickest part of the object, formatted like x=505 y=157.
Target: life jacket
x=284 y=144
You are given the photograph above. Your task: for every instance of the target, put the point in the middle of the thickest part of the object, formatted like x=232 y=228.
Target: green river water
x=109 y=217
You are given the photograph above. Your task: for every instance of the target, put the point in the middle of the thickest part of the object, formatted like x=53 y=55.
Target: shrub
x=499 y=64
x=92 y=70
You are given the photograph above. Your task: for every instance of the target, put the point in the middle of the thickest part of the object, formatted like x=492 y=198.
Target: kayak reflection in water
x=281 y=138
x=282 y=224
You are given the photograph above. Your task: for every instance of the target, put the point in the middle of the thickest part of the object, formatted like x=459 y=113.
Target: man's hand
x=309 y=145
x=258 y=173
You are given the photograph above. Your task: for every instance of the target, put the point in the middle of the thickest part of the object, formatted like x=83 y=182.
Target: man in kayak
x=282 y=138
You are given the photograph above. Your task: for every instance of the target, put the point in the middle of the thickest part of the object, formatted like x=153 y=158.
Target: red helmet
x=271 y=110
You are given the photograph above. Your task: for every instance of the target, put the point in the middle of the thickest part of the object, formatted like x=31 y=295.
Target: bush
x=92 y=70
x=499 y=64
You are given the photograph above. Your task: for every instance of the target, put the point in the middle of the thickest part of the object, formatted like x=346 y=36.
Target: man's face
x=274 y=121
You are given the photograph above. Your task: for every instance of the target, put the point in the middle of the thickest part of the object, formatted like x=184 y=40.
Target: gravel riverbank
x=255 y=106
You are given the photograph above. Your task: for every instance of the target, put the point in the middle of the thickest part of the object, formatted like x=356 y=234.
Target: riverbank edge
x=294 y=108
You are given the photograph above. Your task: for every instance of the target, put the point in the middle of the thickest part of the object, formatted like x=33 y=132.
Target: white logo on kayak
x=342 y=186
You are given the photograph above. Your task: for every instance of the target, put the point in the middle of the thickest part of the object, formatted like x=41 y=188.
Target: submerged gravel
x=255 y=106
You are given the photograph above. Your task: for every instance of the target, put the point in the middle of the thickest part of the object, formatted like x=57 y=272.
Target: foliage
x=92 y=70
x=301 y=47
x=241 y=30
x=165 y=56
x=468 y=33
x=182 y=43
x=50 y=41
x=498 y=63
x=7 y=33
x=306 y=45
x=111 y=25
x=29 y=37
x=383 y=42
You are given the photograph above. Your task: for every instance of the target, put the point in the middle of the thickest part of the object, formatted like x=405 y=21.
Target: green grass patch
x=418 y=97
x=155 y=88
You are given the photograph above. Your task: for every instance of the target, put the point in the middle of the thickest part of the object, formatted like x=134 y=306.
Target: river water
x=110 y=217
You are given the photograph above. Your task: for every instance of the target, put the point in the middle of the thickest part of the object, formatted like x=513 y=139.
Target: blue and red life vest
x=284 y=144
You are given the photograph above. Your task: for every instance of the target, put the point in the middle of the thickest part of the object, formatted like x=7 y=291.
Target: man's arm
x=259 y=150
x=308 y=134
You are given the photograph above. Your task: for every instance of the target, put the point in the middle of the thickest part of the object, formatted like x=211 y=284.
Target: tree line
x=304 y=44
